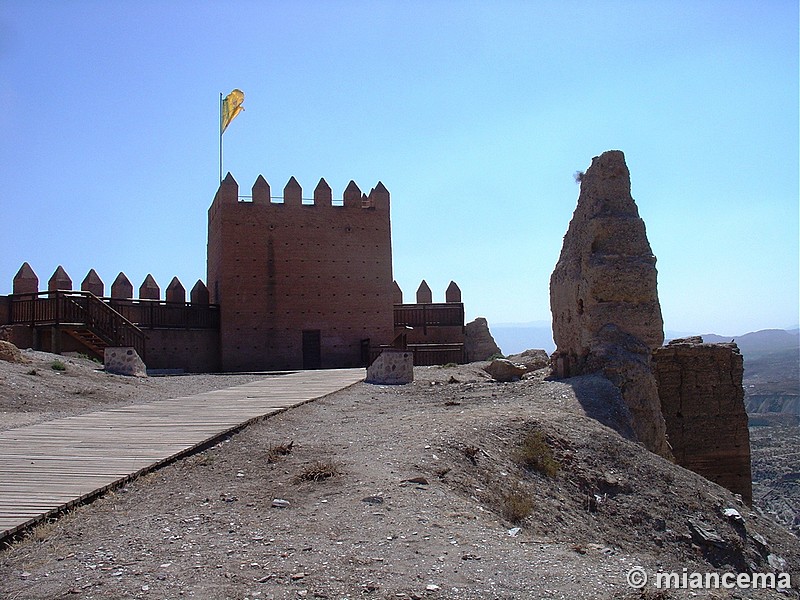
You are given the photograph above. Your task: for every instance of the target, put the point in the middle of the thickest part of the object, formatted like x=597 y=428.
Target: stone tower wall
x=606 y=271
x=700 y=387
x=279 y=269
x=604 y=297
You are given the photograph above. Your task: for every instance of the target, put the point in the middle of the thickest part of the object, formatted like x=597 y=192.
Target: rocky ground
x=776 y=472
x=454 y=486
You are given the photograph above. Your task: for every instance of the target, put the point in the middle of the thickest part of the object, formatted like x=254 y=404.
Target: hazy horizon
x=672 y=330
x=514 y=338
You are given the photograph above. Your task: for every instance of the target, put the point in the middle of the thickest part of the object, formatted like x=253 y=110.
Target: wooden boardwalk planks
x=51 y=466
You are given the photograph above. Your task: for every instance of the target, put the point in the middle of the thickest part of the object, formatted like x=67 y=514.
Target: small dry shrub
x=516 y=505
x=318 y=471
x=275 y=452
x=471 y=452
x=535 y=454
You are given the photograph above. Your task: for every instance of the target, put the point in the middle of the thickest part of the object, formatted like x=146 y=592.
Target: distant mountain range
x=771 y=360
x=771 y=370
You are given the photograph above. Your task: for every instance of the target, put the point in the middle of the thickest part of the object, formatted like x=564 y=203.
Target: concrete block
x=392 y=367
x=124 y=361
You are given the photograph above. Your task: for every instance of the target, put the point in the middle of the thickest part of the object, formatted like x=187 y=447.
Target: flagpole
x=229 y=107
x=220 y=137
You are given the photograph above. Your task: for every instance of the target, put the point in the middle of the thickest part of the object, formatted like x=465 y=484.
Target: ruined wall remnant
x=478 y=341
x=700 y=386
x=604 y=299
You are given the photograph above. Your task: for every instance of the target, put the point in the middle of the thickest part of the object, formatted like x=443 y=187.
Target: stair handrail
x=104 y=319
x=109 y=324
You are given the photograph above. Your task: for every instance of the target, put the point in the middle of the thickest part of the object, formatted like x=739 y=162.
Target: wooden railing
x=83 y=309
x=429 y=315
x=156 y=314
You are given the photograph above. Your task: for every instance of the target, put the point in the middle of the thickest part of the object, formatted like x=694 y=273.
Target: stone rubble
x=503 y=370
x=478 y=341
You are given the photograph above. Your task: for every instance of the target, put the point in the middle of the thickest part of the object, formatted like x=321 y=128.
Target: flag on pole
x=231 y=106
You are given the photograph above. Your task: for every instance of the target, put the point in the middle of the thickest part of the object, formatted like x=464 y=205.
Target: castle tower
x=299 y=285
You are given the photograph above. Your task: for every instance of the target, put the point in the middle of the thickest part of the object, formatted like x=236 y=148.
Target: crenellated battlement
x=294 y=280
x=167 y=332
x=302 y=280
x=261 y=195
x=424 y=294
x=26 y=282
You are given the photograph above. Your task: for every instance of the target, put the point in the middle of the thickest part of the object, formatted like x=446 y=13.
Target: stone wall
x=190 y=350
x=604 y=298
x=5 y=310
x=702 y=399
x=19 y=335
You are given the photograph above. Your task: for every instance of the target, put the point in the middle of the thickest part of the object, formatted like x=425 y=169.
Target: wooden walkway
x=52 y=466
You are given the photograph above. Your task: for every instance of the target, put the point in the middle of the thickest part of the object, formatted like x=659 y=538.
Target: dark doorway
x=312 y=349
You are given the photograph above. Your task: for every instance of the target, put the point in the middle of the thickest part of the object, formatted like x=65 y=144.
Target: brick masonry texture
x=700 y=387
x=290 y=275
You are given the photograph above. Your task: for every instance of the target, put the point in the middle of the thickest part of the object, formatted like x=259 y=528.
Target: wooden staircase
x=82 y=315
x=91 y=341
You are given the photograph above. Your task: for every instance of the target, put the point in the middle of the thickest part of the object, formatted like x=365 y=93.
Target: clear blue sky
x=475 y=115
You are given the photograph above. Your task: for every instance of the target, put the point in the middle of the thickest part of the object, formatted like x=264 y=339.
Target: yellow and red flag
x=231 y=106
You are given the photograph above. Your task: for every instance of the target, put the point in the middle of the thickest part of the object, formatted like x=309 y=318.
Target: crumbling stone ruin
x=478 y=341
x=603 y=296
x=700 y=386
x=686 y=399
